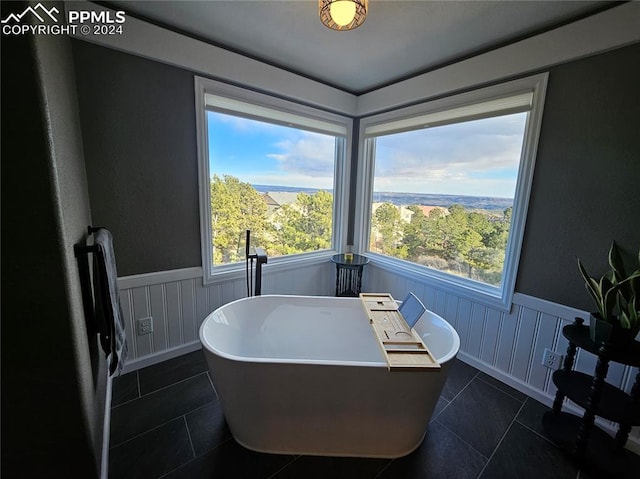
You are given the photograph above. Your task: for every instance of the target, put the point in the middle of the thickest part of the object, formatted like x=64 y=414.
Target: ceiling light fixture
x=343 y=14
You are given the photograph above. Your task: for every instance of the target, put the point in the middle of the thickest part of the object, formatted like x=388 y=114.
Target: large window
x=447 y=186
x=272 y=167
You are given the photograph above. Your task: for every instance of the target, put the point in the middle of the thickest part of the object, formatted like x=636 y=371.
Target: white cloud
x=309 y=155
x=479 y=157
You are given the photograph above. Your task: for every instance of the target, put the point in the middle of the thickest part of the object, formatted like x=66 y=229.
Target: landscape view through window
x=442 y=196
x=275 y=180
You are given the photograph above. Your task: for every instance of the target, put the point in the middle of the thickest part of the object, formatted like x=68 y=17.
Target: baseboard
x=152 y=359
x=632 y=443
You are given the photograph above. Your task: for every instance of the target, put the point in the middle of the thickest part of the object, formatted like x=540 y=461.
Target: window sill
x=476 y=291
x=238 y=270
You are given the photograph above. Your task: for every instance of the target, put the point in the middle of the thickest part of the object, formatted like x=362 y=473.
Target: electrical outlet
x=551 y=359
x=144 y=325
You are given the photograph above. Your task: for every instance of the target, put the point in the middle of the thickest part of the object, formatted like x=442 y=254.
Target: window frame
x=408 y=118
x=284 y=112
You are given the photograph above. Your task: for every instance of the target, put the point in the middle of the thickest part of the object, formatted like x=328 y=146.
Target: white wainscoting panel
x=507 y=345
x=178 y=303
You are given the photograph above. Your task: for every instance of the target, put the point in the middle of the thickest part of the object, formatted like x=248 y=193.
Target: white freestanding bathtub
x=305 y=375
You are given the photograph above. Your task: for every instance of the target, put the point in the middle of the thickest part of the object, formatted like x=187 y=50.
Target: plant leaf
x=630 y=317
x=610 y=297
x=625 y=321
x=628 y=285
x=592 y=288
x=634 y=309
x=615 y=261
x=635 y=282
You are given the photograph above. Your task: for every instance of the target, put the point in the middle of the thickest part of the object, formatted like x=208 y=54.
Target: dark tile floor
x=166 y=421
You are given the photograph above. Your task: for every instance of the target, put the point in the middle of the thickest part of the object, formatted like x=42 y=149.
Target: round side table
x=349 y=274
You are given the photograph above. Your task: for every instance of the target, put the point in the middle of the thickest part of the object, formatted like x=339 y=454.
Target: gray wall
x=144 y=185
x=138 y=124
x=586 y=187
x=53 y=381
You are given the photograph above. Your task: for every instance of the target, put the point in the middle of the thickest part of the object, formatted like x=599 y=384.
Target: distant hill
x=469 y=202
x=285 y=189
x=406 y=199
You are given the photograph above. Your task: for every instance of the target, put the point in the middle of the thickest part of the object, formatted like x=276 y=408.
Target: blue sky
x=266 y=154
x=476 y=158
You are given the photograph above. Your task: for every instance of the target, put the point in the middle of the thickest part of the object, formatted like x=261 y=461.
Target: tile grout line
x=186 y=424
x=541 y=436
x=212 y=385
x=503 y=391
x=166 y=422
x=153 y=428
x=201 y=407
x=386 y=466
x=193 y=460
x=545 y=438
x=295 y=458
x=163 y=388
x=537 y=434
x=462 y=439
x=493 y=453
x=433 y=418
x=465 y=387
x=452 y=432
x=173 y=384
x=143 y=433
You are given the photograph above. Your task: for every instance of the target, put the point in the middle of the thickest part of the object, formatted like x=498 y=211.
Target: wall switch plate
x=144 y=326
x=551 y=359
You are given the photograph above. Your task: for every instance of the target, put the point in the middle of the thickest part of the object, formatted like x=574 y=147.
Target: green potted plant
x=617 y=298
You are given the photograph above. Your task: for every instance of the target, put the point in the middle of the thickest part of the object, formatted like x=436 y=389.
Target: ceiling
x=399 y=39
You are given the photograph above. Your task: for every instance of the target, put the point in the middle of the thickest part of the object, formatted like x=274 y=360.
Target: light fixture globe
x=343 y=14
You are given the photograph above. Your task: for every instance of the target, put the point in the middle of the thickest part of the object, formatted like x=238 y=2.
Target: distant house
x=276 y=199
x=428 y=209
x=272 y=205
x=406 y=213
x=283 y=197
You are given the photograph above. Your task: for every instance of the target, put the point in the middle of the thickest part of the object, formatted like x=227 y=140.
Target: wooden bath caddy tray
x=403 y=348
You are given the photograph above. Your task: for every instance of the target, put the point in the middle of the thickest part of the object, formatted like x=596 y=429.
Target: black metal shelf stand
x=349 y=273
x=593 y=448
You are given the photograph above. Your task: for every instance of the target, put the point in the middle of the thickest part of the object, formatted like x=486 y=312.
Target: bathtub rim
x=453 y=351
x=451 y=354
